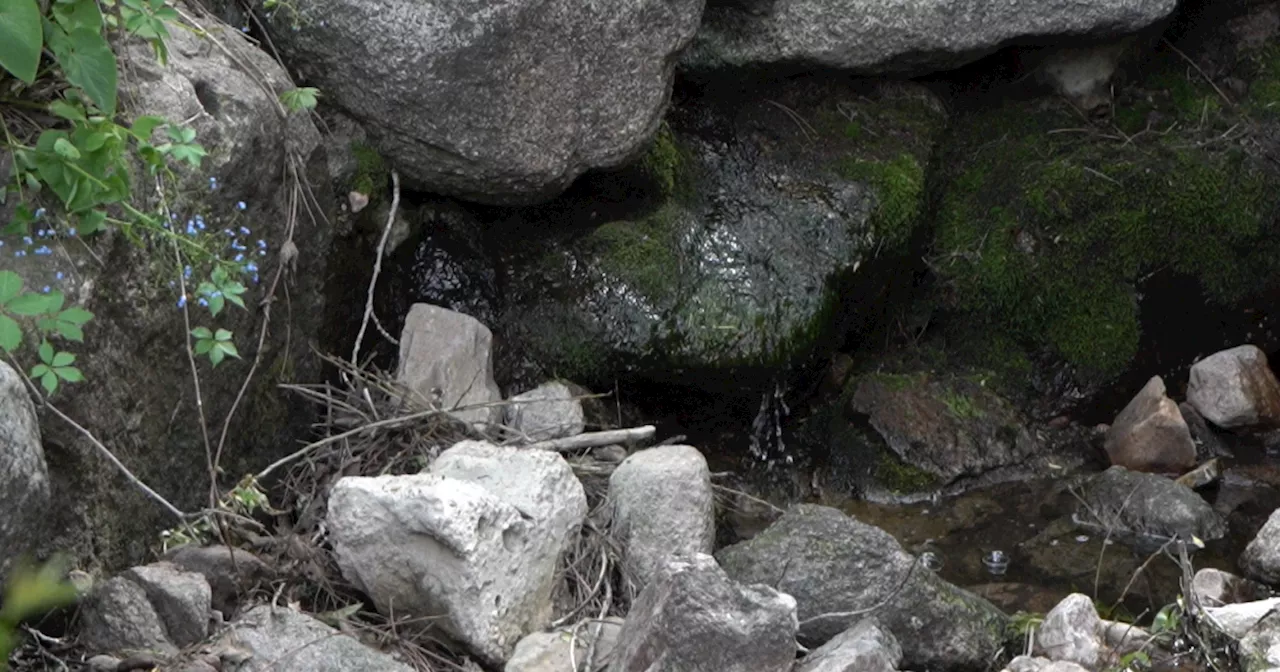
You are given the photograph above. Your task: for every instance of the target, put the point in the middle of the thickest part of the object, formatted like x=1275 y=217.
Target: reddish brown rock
x=1150 y=434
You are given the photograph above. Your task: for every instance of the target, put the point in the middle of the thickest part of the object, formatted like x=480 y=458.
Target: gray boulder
x=949 y=428
x=1072 y=632
x=284 y=639
x=866 y=647
x=117 y=617
x=501 y=102
x=1039 y=664
x=1235 y=620
x=1235 y=388
x=24 y=476
x=476 y=540
x=834 y=564
x=1146 y=509
x=567 y=649
x=1261 y=558
x=549 y=411
x=1149 y=434
x=898 y=36
x=181 y=599
x=693 y=618
x=663 y=507
x=1259 y=648
x=446 y=359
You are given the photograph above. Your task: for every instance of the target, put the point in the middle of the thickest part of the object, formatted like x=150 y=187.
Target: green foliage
x=216 y=345
x=664 y=162
x=31 y=591
x=48 y=316
x=246 y=499
x=301 y=98
x=20 y=38
x=219 y=289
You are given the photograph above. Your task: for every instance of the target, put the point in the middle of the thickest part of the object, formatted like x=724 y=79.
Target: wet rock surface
x=1146 y=508
x=1149 y=434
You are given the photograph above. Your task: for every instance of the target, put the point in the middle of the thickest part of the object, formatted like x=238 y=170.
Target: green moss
x=643 y=254
x=1045 y=235
x=371 y=171
x=897 y=382
x=665 y=163
x=900 y=477
x=960 y=405
x=899 y=187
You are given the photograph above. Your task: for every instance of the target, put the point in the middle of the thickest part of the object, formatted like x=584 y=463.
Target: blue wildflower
x=240 y=205
x=20 y=253
x=43 y=250
x=213 y=183
x=251 y=267
x=27 y=240
x=244 y=231
x=39 y=213
x=41 y=233
x=255 y=278
x=60 y=275
x=191 y=228
x=71 y=232
x=262 y=253
x=203 y=302
x=239 y=258
x=186 y=272
x=45 y=289
x=182 y=301
x=262 y=244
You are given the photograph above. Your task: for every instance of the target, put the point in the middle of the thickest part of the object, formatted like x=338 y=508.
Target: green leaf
x=145 y=125
x=10 y=334
x=202 y=333
x=50 y=382
x=70 y=374
x=39 y=370
x=216 y=355
x=94 y=141
x=65 y=149
x=229 y=348
x=301 y=98
x=29 y=304
x=63 y=359
x=46 y=352
x=222 y=335
x=67 y=111
x=75 y=315
x=88 y=62
x=53 y=302
x=92 y=221
x=79 y=15
x=20 y=38
x=10 y=285
x=203 y=346
x=69 y=331
x=216 y=303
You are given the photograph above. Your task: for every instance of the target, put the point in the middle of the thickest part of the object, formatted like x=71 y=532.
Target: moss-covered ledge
x=1047 y=225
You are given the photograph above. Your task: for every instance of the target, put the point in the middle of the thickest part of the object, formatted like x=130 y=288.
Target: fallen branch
x=377 y=267
x=596 y=439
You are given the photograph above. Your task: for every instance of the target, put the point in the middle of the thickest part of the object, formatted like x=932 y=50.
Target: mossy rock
x=1046 y=226
x=755 y=217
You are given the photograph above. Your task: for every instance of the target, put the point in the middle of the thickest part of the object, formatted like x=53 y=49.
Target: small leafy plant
x=31 y=591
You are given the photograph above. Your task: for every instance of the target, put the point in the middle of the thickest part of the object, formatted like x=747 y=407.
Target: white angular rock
x=1214 y=588
x=1071 y=632
x=24 y=475
x=1149 y=434
x=663 y=508
x=446 y=358
x=477 y=540
x=1237 y=619
x=181 y=599
x=1261 y=558
x=549 y=411
x=1030 y=664
x=866 y=647
x=1235 y=388
x=283 y=639
x=693 y=618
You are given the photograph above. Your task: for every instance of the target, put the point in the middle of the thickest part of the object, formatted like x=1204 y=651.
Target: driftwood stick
x=595 y=439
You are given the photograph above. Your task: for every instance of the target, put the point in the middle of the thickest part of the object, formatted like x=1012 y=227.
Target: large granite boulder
x=501 y=102
x=899 y=36
x=1236 y=388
